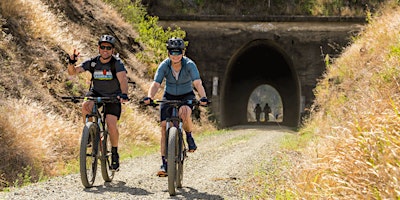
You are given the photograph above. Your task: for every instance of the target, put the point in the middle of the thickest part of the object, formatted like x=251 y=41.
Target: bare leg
x=87 y=107
x=185 y=113
x=163 y=133
x=111 y=121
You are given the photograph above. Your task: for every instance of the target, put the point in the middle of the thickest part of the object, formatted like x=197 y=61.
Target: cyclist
x=181 y=74
x=108 y=80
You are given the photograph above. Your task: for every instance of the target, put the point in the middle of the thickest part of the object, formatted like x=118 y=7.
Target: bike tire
x=180 y=159
x=171 y=158
x=105 y=159
x=88 y=154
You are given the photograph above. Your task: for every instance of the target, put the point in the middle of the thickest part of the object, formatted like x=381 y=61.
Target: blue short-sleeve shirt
x=184 y=83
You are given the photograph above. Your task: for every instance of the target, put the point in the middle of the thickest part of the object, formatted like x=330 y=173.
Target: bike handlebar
x=95 y=99
x=156 y=102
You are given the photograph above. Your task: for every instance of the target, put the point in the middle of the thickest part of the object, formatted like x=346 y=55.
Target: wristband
x=72 y=61
x=124 y=96
x=204 y=99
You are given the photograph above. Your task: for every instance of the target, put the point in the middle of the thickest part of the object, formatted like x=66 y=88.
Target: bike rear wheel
x=106 y=171
x=171 y=158
x=88 y=154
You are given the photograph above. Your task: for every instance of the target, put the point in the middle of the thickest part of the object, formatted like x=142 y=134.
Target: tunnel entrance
x=257 y=63
x=269 y=107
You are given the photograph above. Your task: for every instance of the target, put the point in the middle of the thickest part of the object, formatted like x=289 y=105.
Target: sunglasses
x=106 y=47
x=175 y=53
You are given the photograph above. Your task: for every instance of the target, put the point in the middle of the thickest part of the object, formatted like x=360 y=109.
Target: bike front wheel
x=181 y=154
x=106 y=171
x=88 y=154
x=171 y=158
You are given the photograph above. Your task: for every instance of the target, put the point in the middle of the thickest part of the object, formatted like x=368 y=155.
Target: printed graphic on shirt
x=102 y=75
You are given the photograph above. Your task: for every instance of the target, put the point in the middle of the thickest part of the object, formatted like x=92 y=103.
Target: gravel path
x=213 y=172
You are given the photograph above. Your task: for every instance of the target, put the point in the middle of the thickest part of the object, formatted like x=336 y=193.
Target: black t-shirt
x=104 y=82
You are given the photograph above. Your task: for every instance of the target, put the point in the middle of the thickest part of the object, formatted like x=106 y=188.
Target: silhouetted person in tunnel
x=266 y=111
x=257 y=111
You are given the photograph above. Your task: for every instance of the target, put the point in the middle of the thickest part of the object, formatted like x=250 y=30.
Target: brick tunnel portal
x=236 y=57
x=256 y=63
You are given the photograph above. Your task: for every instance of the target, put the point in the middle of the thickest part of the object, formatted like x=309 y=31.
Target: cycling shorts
x=166 y=110
x=110 y=108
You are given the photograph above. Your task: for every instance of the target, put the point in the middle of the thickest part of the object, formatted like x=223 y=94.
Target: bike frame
x=99 y=118
x=96 y=134
x=175 y=121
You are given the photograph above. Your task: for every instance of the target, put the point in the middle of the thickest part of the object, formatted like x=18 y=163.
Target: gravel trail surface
x=214 y=171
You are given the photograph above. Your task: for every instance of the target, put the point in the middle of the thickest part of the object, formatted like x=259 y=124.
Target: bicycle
x=176 y=150
x=95 y=136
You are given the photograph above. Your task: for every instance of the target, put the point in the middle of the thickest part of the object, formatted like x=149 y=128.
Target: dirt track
x=214 y=171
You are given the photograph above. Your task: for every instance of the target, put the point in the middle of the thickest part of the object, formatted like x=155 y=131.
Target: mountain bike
x=175 y=146
x=95 y=142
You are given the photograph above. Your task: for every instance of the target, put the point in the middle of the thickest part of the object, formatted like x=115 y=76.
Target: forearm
x=123 y=82
x=71 y=69
x=153 y=89
x=200 y=89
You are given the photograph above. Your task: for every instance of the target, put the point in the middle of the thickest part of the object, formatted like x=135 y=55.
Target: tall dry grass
x=32 y=136
x=357 y=120
x=35 y=141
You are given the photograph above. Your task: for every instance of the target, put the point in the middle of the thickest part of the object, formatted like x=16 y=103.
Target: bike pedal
x=114 y=170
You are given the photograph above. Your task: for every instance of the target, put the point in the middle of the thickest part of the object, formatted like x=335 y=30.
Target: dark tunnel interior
x=259 y=62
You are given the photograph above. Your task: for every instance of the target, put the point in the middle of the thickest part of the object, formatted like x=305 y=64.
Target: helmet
x=107 y=38
x=175 y=43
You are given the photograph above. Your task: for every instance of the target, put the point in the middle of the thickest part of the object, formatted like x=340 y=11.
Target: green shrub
x=151 y=34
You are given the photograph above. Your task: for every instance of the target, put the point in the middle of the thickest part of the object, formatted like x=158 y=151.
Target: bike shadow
x=117 y=186
x=191 y=193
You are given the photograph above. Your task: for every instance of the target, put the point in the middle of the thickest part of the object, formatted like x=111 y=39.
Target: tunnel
x=256 y=63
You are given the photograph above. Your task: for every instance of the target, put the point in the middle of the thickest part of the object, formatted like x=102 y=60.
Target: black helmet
x=175 y=43
x=107 y=38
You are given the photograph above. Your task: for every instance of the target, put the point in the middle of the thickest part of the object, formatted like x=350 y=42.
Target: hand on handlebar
x=147 y=100
x=203 y=101
x=123 y=97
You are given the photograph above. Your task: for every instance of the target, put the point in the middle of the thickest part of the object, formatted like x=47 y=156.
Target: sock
x=188 y=134
x=114 y=150
x=164 y=162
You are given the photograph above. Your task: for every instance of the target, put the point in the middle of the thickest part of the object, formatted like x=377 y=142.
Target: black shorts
x=110 y=108
x=165 y=109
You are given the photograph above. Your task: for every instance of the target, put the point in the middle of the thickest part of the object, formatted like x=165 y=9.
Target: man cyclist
x=108 y=80
x=180 y=74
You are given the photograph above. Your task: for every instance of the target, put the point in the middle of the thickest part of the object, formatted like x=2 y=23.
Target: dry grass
x=30 y=136
x=39 y=135
x=356 y=117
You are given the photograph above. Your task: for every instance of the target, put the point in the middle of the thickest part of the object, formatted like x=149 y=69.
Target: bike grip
x=68 y=98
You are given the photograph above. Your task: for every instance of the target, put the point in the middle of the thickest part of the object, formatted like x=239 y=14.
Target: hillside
x=39 y=134
x=355 y=120
x=241 y=8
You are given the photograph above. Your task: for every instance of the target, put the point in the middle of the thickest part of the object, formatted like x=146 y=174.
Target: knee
x=87 y=106
x=163 y=124
x=185 y=112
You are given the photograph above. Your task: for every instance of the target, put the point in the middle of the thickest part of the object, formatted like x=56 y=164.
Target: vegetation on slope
x=349 y=147
x=356 y=119
x=262 y=7
x=39 y=135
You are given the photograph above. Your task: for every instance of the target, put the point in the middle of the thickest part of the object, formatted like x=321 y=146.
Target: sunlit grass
x=41 y=144
x=356 y=120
